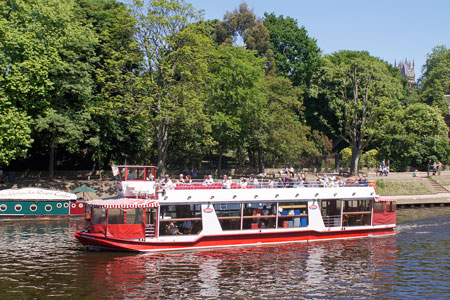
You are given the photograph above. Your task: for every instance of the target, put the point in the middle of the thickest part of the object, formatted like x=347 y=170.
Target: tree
x=236 y=104
x=47 y=59
x=435 y=81
x=284 y=138
x=360 y=91
x=297 y=56
x=14 y=133
x=157 y=22
x=414 y=136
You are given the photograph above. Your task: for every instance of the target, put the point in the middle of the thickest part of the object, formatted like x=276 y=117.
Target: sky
x=393 y=30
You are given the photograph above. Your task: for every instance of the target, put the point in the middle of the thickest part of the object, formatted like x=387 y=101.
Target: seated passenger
x=173 y=230
x=208 y=181
x=188 y=179
x=226 y=182
x=280 y=183
x=243 y=183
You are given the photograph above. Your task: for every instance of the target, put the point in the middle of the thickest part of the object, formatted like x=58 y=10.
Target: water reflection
x=42 y=259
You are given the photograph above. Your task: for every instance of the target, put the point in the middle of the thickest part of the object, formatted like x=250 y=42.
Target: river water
x=42 y=260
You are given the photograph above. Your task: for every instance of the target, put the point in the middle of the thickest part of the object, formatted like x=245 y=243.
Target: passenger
x=164 y=181
x=226 y=182
x=270 y=183
x=265 y=211
x=280 y=183
x=208 y=181
x=180 y=179
x=188 y=179
x=254 y=181
x=243 y=183
x=173 y=230
x=287 y=182
x=170 y=185
x=292 y=171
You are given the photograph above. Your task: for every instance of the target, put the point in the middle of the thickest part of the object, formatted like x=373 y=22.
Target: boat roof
x=123 y=203
x=36 y=194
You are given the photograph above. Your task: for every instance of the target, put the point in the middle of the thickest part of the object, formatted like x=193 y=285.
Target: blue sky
x=388 y=29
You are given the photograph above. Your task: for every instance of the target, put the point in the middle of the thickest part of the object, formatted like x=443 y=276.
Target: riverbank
x=406 y=187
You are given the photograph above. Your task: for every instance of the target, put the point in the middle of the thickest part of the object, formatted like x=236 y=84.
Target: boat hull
x=40 y=209
x=95 y=241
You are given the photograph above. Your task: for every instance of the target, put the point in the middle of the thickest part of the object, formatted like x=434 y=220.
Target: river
x=42 y=260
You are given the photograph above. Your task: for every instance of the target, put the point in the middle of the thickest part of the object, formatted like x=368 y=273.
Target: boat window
x=115 y=216
x=259 y=215
x=357 y=212
x=331 y=212
x=229 y=215
x=135 y=216
x=180 y=219
x=357 y=205
x=391 y=206
x=292 y=214
x=122 y=172
x=378 y=207
x=98 y=215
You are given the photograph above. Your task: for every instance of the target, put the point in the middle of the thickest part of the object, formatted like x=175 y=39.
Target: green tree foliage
x=285 y=138
x=297 y=56
x=435 y=81
x=360 y=91
x=236 y=104
x=243 y=23
x=415 y=135
x=47 y=61
x=116 y=129
x=172 y=68
x=15 y=133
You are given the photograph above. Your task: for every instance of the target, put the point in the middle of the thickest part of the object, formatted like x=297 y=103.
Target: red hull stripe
x=229 y=240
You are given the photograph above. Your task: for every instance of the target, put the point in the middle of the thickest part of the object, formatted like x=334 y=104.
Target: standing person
x=439 y=168
x=434 y=168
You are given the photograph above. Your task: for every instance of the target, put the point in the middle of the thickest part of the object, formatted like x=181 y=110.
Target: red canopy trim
x=123 y=203
x=385 y=199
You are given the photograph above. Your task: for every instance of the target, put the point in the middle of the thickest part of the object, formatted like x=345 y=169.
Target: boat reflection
x=302 y=270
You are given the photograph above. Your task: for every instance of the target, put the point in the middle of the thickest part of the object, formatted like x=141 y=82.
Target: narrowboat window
x=259 y=215
x=293 y=214
x=135 y=216
x=180 y=219
x=115 y=216
x=229 y=215
x=98 y=215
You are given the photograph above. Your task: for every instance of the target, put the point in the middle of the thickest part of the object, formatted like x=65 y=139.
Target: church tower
x=407 y=70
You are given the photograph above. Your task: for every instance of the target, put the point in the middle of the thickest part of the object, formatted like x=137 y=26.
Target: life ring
x=73 y=205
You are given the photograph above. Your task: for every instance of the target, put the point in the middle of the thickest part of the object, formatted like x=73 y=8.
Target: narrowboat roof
x=35 y=194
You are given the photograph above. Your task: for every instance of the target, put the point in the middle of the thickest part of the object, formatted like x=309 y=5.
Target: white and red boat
x=146 y=217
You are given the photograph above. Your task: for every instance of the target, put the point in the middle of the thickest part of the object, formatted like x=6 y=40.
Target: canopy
x=84 y=189
x=385 y=199
x=124 y=203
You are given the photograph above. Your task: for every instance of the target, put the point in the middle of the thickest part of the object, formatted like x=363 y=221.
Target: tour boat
x=39 y=203
x=148 y=216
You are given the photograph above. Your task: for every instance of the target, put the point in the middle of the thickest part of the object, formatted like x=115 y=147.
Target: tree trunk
x=356 y=153
x=162 y=144
x=261 y=167
x=219 y=167
x=51 y=156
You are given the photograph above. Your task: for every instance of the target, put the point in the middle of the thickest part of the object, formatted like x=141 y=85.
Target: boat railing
x=332 y=221
x=260 y=184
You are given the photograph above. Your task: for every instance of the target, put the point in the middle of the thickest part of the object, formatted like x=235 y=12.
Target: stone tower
x=407 y=70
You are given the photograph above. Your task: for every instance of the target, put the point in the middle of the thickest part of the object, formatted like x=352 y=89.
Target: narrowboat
x=39 y=203
x=150 y=217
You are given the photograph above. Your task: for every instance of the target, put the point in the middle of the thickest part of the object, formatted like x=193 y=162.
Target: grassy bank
x=387 y=187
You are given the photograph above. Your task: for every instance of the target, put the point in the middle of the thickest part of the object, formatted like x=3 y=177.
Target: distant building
x=407 y=70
